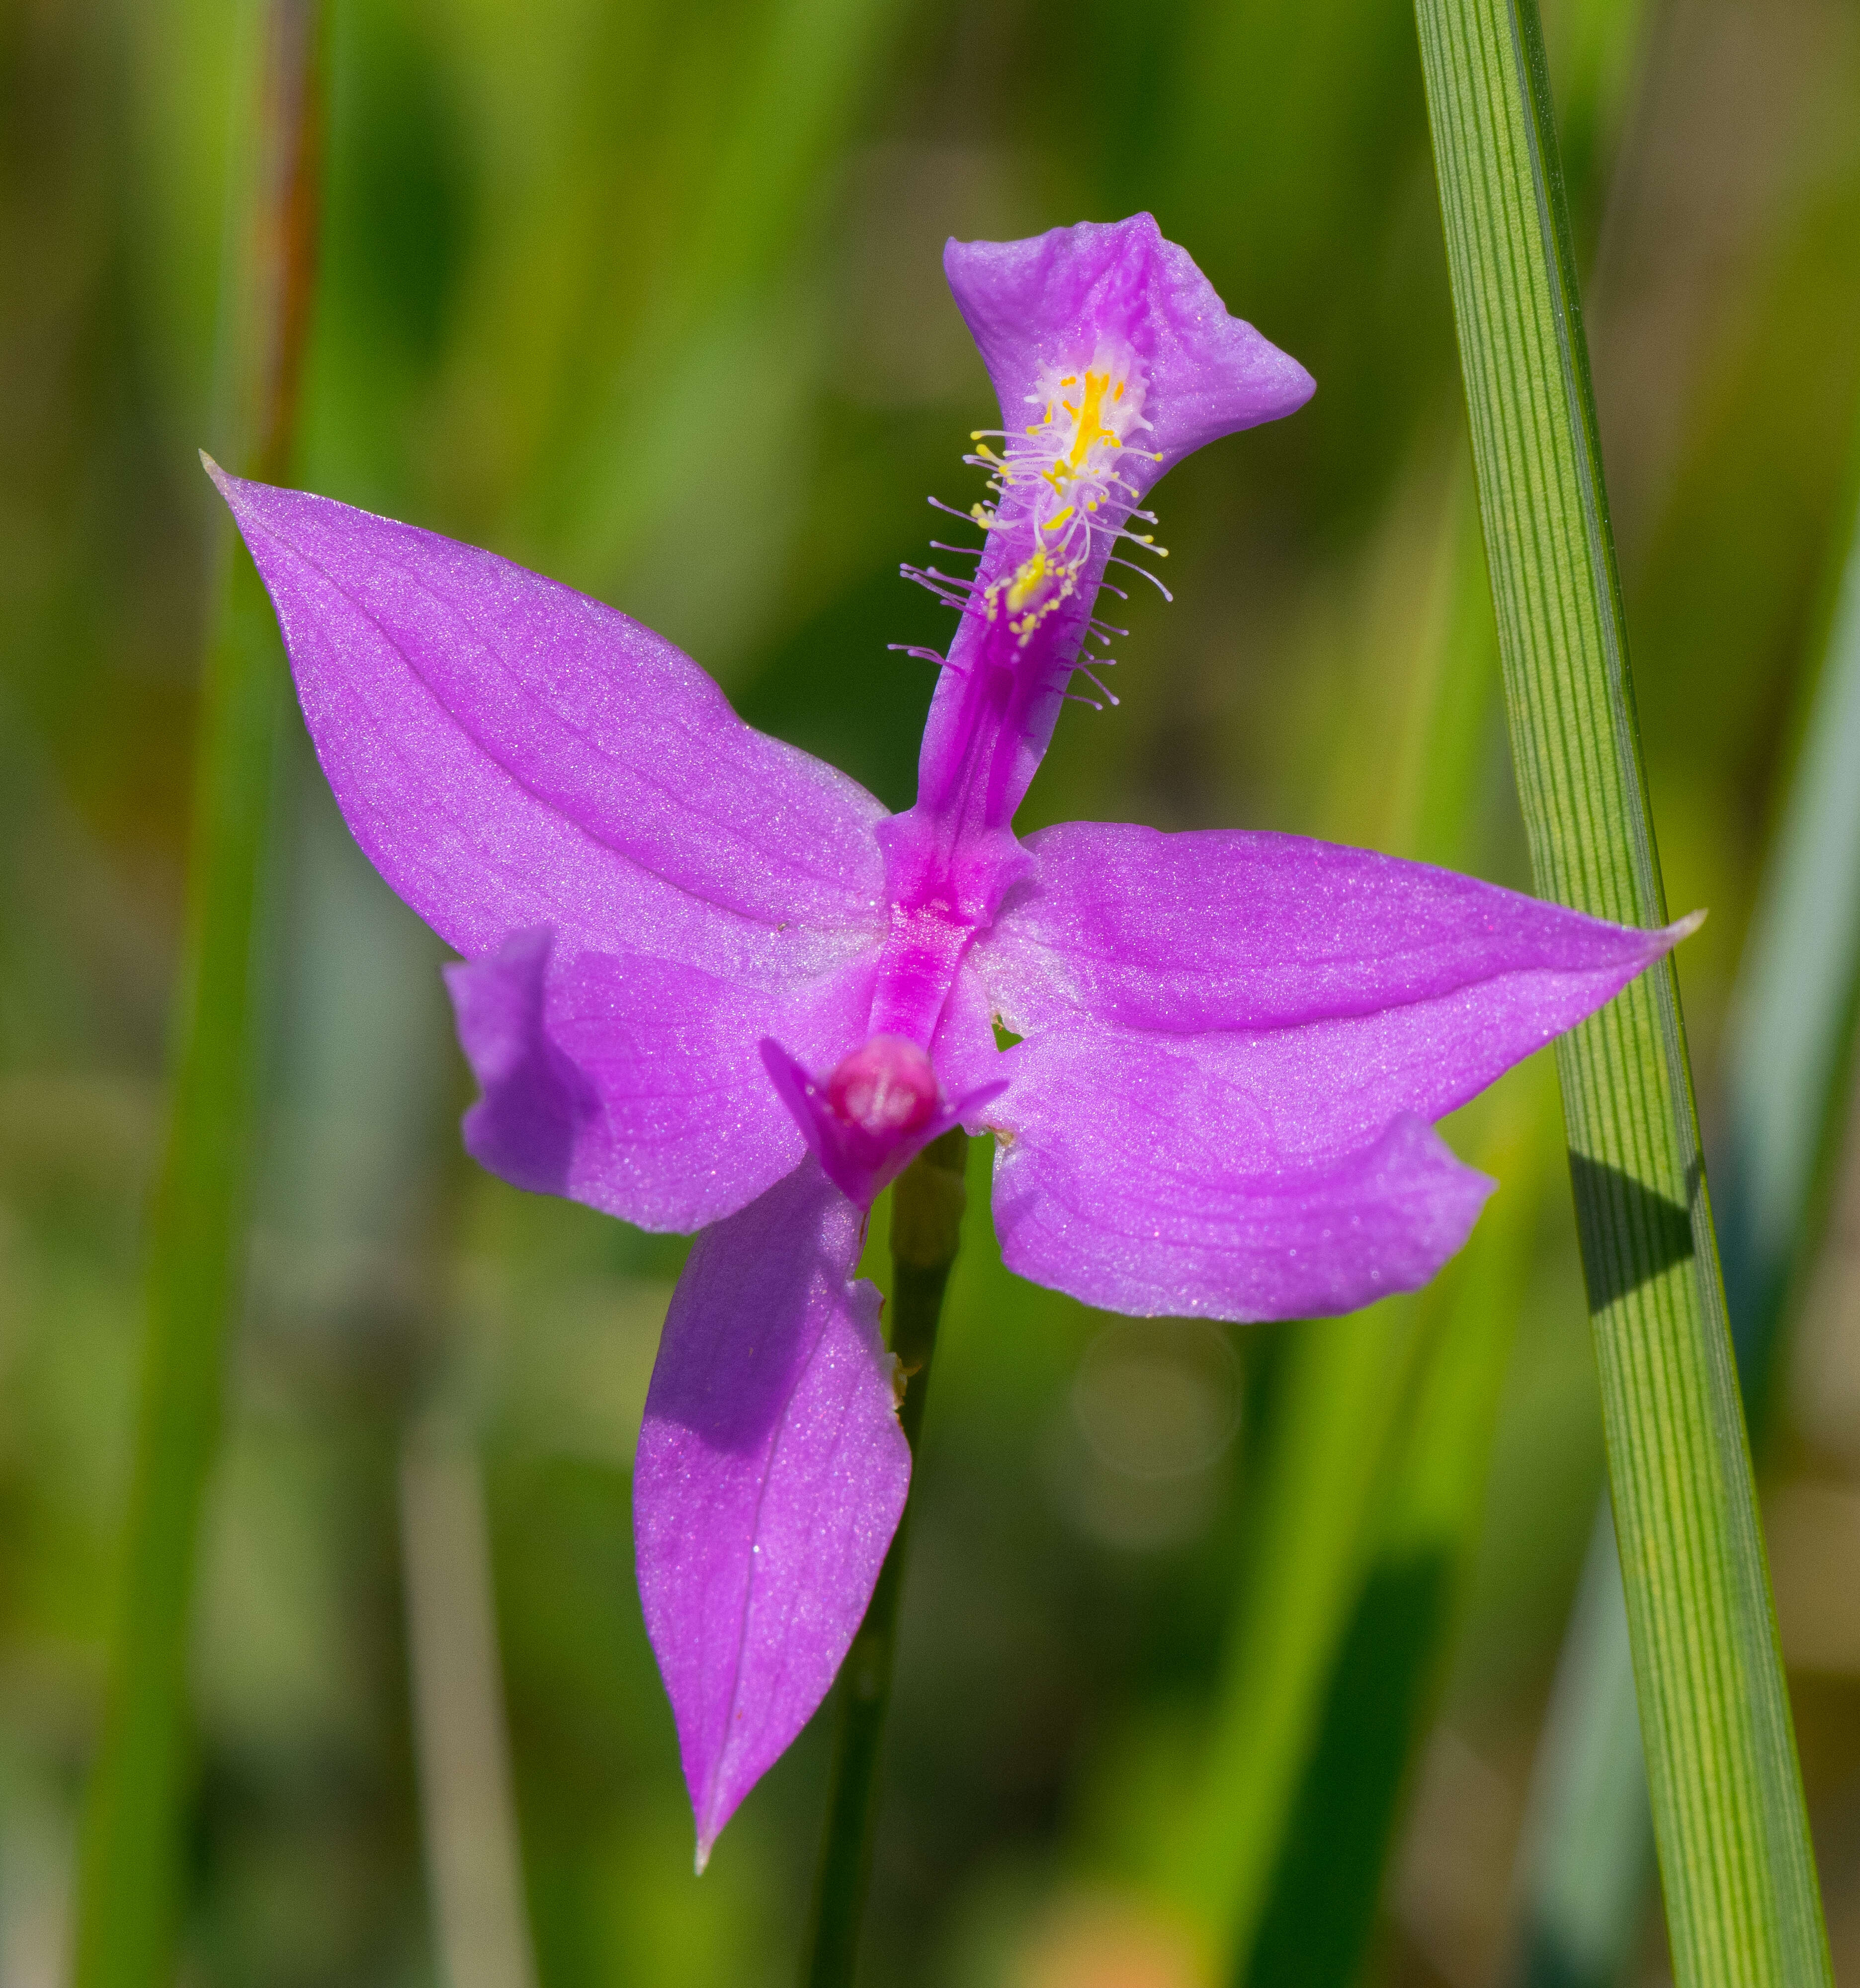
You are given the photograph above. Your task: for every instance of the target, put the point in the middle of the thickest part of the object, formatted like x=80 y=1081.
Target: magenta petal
x=1048 y=300
x=511 y=755
x=1355 y=985
x=1106 y=1191
x=771 y=1475
x=636 y=1084
x=1233 y=1038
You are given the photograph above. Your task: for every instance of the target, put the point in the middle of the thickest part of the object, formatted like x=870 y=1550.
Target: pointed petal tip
x=770 y=1478
x=1683 y=928
x=705 y=1845
x=1296 y=383
x=222 y=482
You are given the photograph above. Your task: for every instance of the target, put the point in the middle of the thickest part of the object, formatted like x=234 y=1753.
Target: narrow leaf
x=1741 y=1894
x=1586 y=1848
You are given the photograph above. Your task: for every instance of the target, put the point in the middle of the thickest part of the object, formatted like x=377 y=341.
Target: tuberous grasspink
x=708 y=983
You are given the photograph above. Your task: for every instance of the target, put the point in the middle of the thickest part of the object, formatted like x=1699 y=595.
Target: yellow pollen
x=1090 y=428
x=1078 y=460
x=1027 y=581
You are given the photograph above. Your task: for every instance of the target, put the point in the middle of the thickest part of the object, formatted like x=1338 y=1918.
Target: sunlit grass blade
x=1741 y=1900
x=1421 y=1513
x=1330 y=1434
x=129 y=1883
x=467 y=1808
x=1320 y=1916
x=1587 y=1850
x=1390 y=1664
x=712 y=336
x=1358 y=1395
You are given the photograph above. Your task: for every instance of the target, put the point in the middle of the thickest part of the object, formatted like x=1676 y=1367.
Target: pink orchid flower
x=709 y=983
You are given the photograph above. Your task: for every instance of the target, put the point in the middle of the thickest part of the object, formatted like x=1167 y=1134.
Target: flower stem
x=927 y=1206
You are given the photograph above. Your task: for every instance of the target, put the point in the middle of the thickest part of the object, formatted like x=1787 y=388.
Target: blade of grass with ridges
x=128 y=1897
x=1586 y=1858
x=1743 y=1904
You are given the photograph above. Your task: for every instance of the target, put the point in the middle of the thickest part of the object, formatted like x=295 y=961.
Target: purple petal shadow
x=634 y=1083
x=537 y=1107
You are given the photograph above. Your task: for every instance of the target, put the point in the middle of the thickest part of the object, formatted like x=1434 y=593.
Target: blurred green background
x=649 y=296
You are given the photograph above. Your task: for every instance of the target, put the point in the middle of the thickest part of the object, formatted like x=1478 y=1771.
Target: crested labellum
x=708 y=983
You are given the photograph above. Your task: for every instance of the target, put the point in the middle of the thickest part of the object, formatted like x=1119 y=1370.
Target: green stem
x=129 y=1883
x=1587 y=1848
x=927 y=1206
x=1742 y=1901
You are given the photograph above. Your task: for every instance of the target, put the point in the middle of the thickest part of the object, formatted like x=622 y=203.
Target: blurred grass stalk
x=1587 y=1855
x=1319 y=1915
x=712 y=318
x=129 y=1885
x=1741 y=1900
x=1371 y=1494
x=467 y=1800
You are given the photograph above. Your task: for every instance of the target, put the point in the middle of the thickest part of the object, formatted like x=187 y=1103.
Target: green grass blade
x=1346 y=1380
x=1415 y=1526
x=927 y=1205
x=1741 y=1895
x=1390 y=1667
x=129 y=1881
x=1587 y=1848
